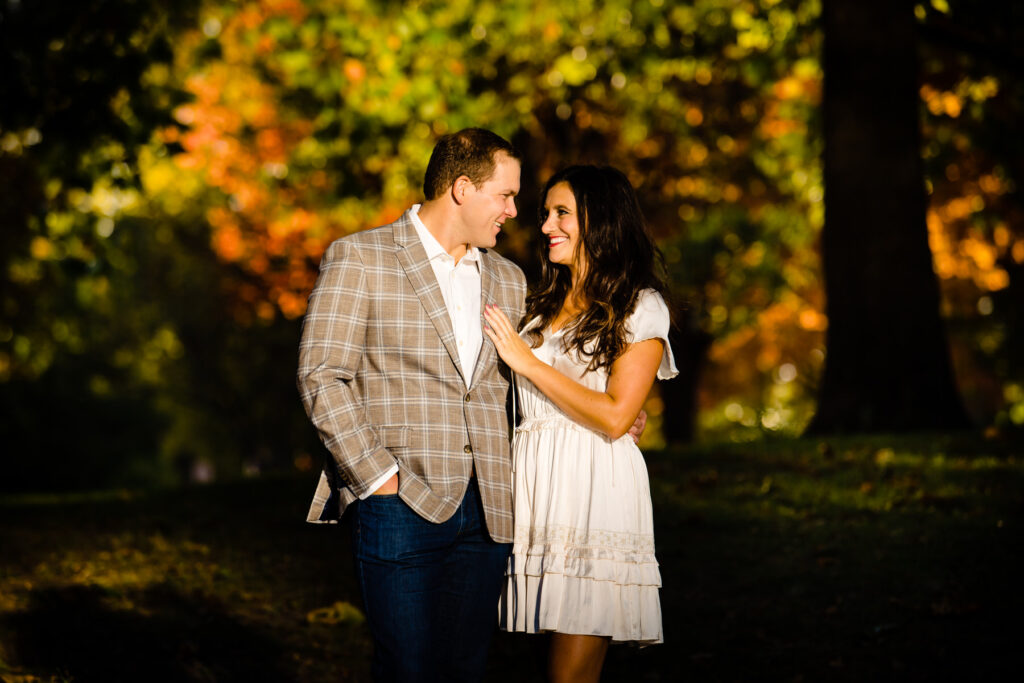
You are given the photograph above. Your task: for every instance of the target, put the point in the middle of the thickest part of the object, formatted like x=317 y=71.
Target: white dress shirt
x=460 y=288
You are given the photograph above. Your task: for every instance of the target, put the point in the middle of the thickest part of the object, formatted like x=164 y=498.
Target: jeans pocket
x=380 y=521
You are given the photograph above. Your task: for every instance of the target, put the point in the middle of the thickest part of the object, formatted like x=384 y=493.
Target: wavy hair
x=621 y=261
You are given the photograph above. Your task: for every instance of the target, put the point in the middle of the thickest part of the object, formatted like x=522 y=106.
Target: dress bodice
x=649 y=320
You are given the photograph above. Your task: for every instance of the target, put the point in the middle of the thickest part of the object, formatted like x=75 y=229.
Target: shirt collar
x=432 y=246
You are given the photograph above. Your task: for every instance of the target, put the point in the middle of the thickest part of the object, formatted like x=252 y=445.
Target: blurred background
x=171 y=172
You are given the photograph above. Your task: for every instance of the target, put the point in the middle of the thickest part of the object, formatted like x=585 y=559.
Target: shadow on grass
x=83 y=633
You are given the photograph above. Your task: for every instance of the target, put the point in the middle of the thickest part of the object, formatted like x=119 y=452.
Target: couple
x=404 y=368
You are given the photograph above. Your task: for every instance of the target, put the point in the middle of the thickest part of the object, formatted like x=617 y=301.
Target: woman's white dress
x=582 y=557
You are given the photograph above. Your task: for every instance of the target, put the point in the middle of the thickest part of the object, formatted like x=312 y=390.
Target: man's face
x=486 y=208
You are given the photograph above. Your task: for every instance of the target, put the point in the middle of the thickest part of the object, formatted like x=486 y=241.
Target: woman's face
x=561 y=227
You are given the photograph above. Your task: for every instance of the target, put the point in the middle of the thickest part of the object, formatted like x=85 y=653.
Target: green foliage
x=82 y=348
x=709 y=108
x=171 y=172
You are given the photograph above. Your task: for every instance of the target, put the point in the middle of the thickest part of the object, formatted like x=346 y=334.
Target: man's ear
x=459 y=188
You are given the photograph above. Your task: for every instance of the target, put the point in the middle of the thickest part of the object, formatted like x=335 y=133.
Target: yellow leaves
x=690 y=185
x=941 y=102
x=732 y=193
x=991 y=184
x=1018 y=251
x=41 y=248
x=741 y=18
x=354 y=70
x=293 y=9
x=754 y=255
x=788 y=88
x=982 y=253
x=726 y=144
x=339 y=613
x=751 y=33
x=951 y=104
x=164 y=183
x=698 y=153
x=552 y=31
x=970 y=257
x=126 y=562
x=227 y=238
x=59 y=223
x=982 y=90
x=779 y=337
x=773 y=125
x=292 y=305
x=647 y=148
x=1001 y=236
x=812 y=320
x=571 y=70
x=271 y=145
x=694 y=116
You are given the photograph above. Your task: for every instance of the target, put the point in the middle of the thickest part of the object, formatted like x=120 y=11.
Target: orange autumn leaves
x=245 y=136
x=236 y=138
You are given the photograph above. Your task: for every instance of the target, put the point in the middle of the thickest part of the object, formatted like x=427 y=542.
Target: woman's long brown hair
x=620 y=260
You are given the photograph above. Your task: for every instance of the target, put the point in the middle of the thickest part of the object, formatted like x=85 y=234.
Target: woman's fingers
x=498 y=320
x=499 y=329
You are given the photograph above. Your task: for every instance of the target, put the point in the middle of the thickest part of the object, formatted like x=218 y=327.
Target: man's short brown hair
x=469 y=152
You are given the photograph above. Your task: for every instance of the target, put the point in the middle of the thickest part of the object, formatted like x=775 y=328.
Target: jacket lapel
x=413 y=259
x=487 y=294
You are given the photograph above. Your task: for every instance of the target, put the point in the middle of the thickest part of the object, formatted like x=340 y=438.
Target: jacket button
x=467 y=398
x=468 y=448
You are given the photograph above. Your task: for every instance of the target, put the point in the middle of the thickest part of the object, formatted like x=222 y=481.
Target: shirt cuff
x=391 y=471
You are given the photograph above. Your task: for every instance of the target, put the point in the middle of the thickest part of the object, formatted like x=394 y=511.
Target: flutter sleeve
x=651 y=320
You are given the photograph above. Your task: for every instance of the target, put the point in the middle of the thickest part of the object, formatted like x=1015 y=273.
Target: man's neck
x=438 y=221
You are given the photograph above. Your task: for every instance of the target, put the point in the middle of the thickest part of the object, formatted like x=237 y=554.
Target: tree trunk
x=679 y=396
x=888 y=366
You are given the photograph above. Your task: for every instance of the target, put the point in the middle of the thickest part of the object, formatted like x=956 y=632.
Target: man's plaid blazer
x=379 y=376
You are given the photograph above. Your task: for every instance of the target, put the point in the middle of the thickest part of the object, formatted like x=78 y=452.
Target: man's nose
x=510 y=209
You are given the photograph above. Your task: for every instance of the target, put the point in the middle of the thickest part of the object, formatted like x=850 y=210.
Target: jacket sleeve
x=331 y=349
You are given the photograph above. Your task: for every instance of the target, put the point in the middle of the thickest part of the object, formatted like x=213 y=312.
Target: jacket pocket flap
x=393 y=437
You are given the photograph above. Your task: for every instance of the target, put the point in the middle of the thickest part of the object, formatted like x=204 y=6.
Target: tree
x=972 y=52
x=888 y=366
x=316 y=119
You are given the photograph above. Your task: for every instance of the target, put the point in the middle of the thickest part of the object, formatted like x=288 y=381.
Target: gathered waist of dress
x=538 y=423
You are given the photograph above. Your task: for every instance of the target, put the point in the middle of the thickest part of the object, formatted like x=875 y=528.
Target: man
x=409 y=399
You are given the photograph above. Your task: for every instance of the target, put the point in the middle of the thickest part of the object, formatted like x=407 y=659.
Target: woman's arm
x=610 y=412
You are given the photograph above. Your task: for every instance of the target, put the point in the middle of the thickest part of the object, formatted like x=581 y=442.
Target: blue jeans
x=430 y=590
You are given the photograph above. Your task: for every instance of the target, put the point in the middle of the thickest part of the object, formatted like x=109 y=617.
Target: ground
x=841 y=560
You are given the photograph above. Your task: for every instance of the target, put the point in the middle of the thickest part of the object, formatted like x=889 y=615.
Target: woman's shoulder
x=650 y=303
x=651 y=320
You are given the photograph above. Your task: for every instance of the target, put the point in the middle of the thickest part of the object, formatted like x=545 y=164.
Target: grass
x=846 y=560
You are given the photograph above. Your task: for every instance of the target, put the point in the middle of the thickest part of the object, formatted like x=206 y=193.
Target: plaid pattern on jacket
x=380 y=378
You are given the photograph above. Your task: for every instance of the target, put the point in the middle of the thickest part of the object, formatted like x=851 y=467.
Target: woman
x=582 y=564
